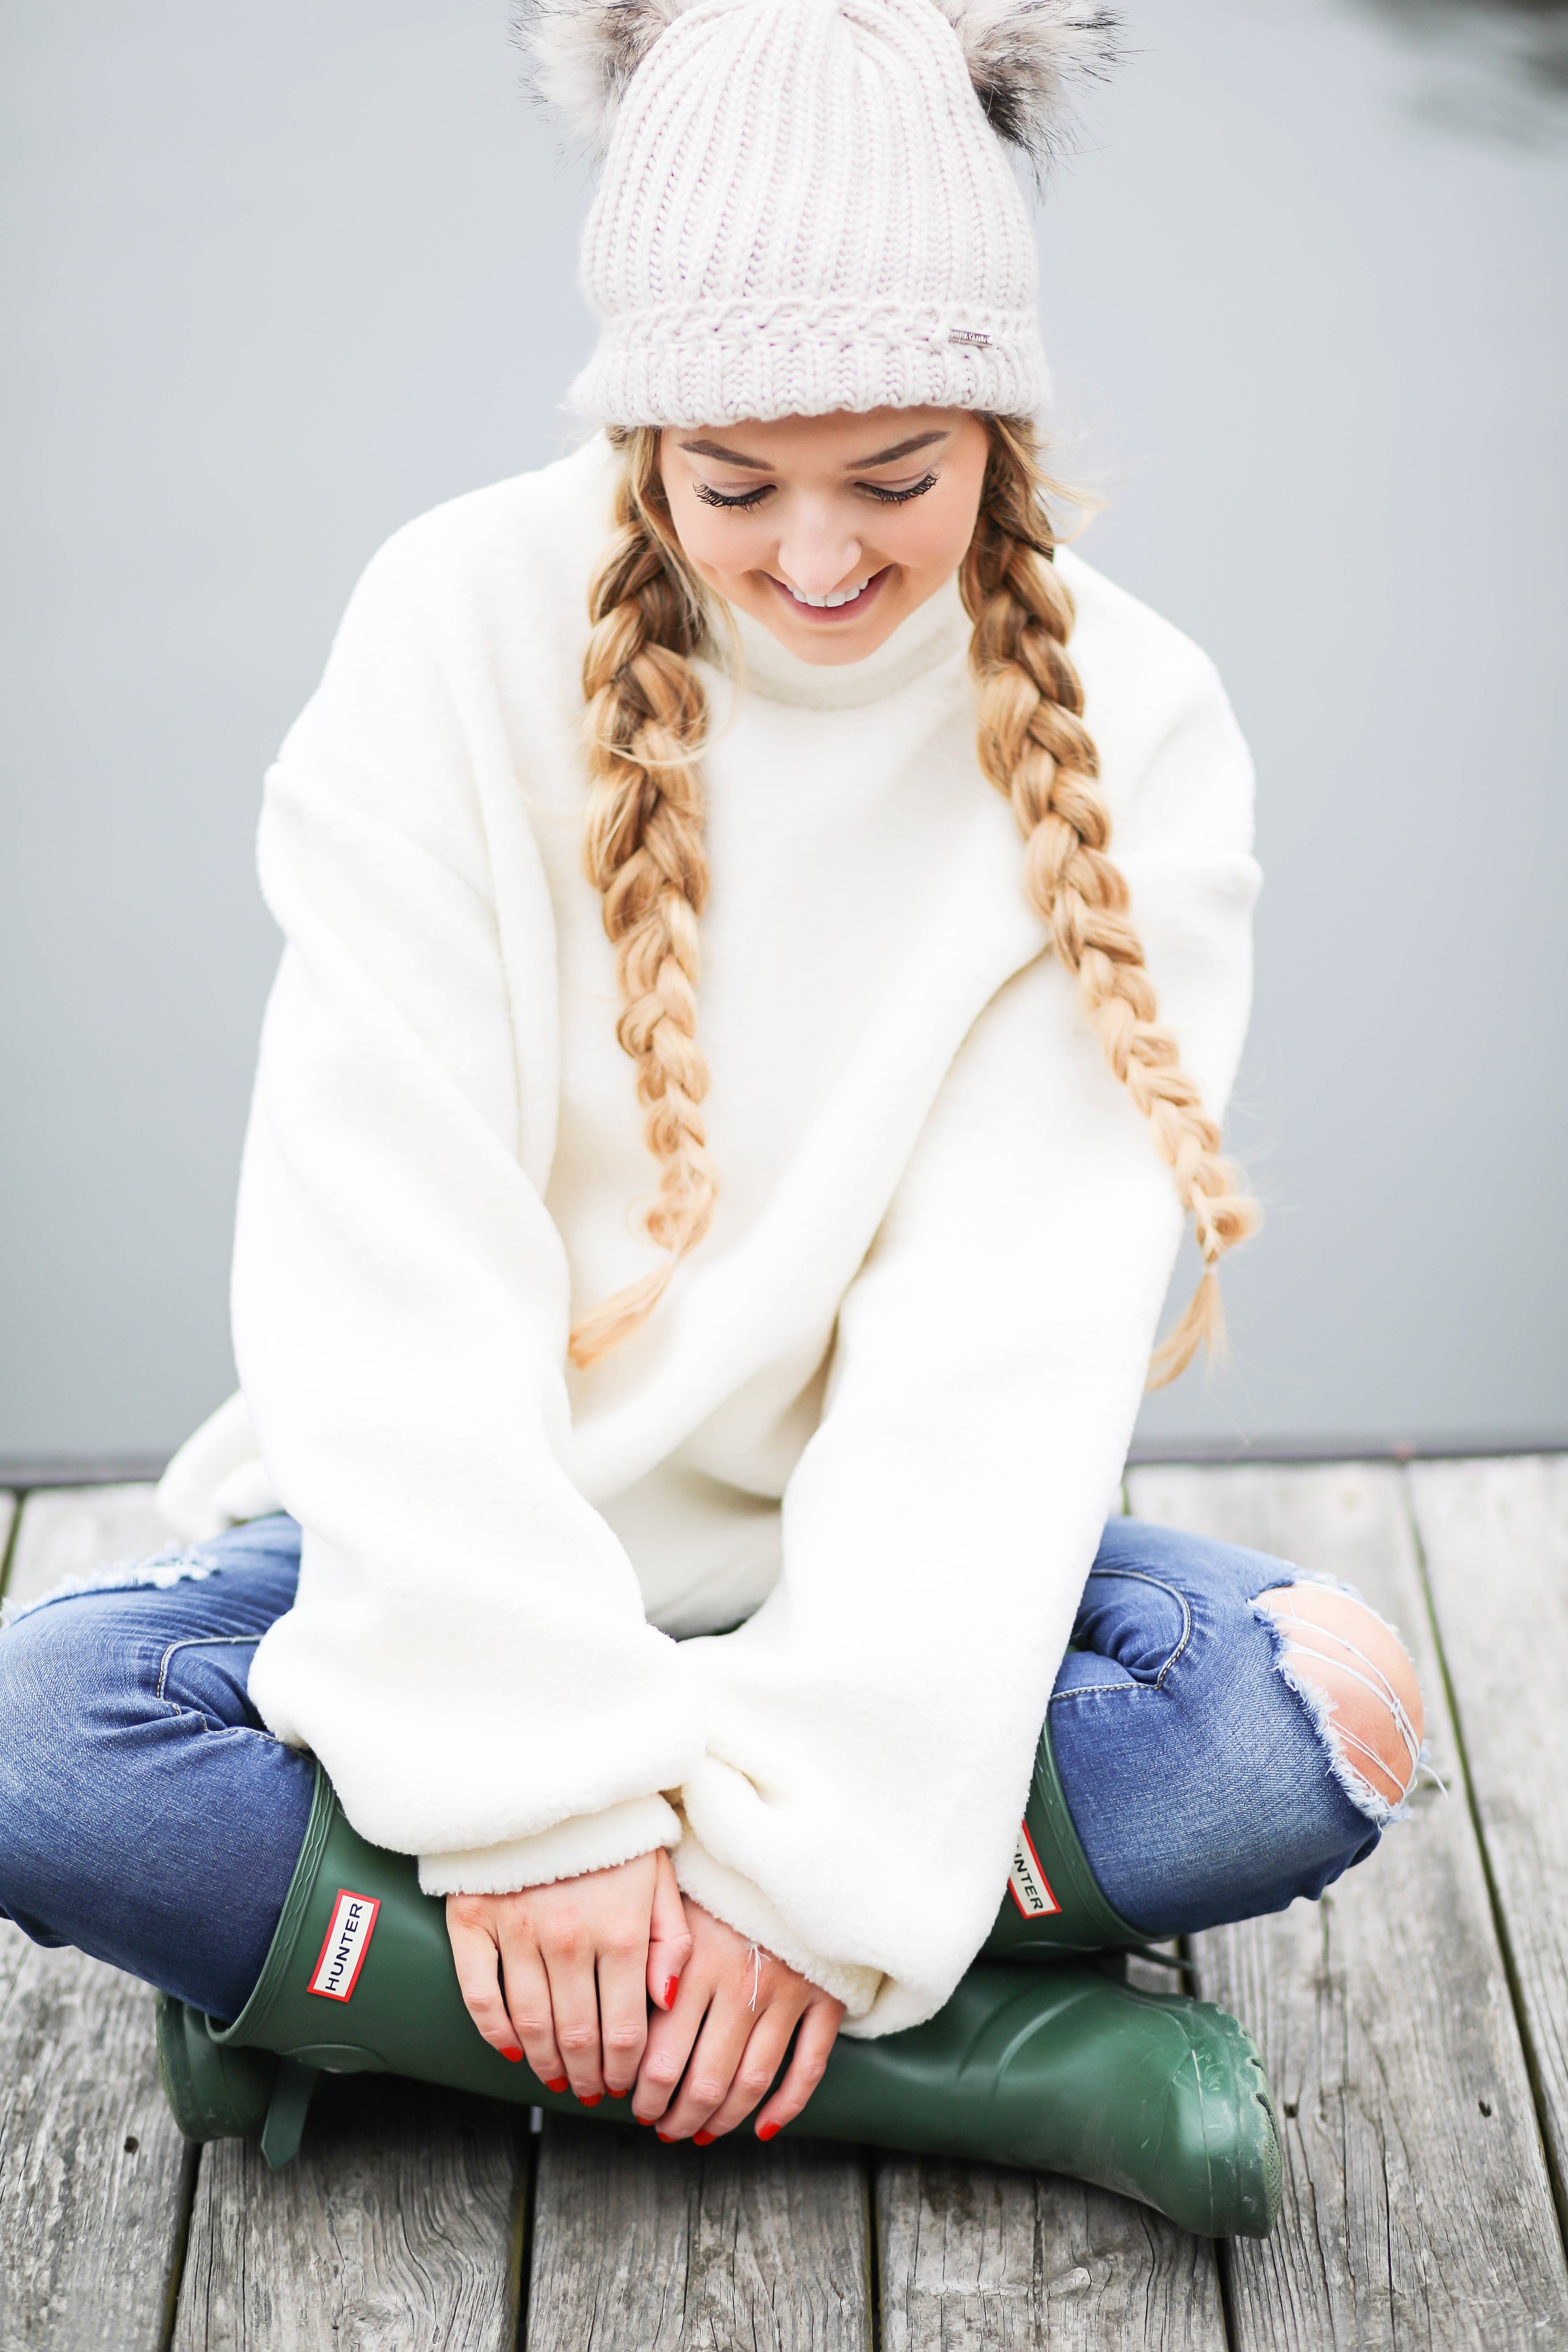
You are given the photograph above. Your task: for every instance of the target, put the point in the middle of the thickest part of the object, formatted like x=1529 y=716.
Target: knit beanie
x=807 y=205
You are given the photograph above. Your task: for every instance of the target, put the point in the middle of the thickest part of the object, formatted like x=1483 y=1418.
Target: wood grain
x=94 y=2178
x=1494 y=1539
x=1418 y=2209
x=643 y=2247
x=73 y=1531
x=399 y=2224
x=976 y=2259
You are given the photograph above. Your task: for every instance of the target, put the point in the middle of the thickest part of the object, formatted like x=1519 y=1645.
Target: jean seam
x=1141 y=1575
x=197 y=1641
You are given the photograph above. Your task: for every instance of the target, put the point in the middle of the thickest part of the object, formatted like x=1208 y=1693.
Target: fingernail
x=561 y=2085
x=646 y=2121
x=703 y=2138
x=668 y=2138
x=589 y=2098
x=769 y=2131
x=671 y=1987
x=619 y=2094
x=514 y=2055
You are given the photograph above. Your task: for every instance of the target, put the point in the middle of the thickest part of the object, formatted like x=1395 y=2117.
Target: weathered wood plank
x=399 y=2224
x=976 y=2259
x=1495 y=1537
x=1417 y=2206
x=94 y=2178
x=72 y=1531
x=643 y=2247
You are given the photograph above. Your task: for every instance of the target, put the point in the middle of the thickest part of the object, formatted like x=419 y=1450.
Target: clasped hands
x=615 y=1982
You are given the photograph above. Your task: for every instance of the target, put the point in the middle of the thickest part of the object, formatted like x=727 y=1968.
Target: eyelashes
x=900 y=497
x=746 y=500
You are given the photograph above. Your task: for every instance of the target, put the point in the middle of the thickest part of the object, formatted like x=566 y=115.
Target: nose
x=816 y=554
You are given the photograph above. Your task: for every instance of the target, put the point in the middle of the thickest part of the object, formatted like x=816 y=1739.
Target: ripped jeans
x=147 y=1817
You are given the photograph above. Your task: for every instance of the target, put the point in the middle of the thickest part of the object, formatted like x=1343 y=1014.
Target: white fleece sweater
x=881 y=1415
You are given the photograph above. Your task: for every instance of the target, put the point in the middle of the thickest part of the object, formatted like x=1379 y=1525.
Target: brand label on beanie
x=348 y=1941
x=1029 y=1886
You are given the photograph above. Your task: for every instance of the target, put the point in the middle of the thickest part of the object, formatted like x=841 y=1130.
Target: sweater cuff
x=588 y=1842
x=744 y=1906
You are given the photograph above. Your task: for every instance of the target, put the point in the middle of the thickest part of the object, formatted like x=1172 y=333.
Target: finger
x=760 y=2062
x=529 y=2007
x=574 y=2002
x=813 y=2042
x=670 y=2038
x=478 y=1963
x=669 y=1937
x=623 y=2013
x=710 y=2069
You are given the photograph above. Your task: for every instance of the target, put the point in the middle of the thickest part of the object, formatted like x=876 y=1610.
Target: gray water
x=273 y=284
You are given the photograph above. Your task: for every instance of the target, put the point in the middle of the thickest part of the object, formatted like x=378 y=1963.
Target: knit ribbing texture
x=804 y=209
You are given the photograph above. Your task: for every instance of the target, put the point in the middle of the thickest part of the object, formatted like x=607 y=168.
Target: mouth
x=842 y=604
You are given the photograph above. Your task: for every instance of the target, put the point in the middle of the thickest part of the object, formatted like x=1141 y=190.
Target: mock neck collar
x=927 y=636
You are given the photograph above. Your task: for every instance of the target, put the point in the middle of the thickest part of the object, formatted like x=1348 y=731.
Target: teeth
x=839 y=596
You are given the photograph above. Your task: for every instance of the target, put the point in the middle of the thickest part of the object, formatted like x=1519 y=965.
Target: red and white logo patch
x=347 y=1942
x=1028 y=1883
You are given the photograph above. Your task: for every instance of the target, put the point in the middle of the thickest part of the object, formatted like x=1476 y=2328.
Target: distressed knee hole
x=1356 y=1674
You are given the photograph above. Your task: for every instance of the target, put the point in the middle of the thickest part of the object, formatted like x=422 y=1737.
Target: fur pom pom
x=585 y=52
x=1024 y=57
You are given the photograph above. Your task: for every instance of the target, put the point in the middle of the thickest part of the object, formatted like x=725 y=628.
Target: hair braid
x=643 y=850
x=1035 y=748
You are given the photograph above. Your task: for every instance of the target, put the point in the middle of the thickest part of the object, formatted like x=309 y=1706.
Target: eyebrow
x=716 y=449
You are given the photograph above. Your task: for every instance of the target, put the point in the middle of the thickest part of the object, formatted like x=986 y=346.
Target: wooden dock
x=1414 y=2022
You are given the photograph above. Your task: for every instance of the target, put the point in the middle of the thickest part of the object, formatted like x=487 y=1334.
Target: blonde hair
x=643 y=850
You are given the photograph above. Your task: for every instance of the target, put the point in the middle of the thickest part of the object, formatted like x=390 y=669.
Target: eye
x=886 y=498
x=712 y=498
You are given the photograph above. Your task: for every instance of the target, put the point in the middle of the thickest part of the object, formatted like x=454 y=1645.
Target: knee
x=1360 y=1675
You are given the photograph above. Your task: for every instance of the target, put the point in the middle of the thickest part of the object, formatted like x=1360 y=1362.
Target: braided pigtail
x=643 y=850
x=1037 y=751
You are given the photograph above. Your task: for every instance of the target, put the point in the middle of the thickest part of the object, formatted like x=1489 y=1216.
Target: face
x=828 y=530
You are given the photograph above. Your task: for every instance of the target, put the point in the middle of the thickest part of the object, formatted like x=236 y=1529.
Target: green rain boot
x=1052 y=1906
x=1152 y=2095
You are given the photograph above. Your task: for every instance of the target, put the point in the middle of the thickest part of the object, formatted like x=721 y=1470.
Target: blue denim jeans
x=147 y=1817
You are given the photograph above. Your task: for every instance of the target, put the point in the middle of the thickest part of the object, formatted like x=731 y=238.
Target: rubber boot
x=1152 y=2095
x=1052 y=1905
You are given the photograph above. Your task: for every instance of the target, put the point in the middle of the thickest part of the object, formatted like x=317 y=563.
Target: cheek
x=714 y=540
x=932 y=533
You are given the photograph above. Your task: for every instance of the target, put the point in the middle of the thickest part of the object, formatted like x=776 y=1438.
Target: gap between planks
x=1494 y=1542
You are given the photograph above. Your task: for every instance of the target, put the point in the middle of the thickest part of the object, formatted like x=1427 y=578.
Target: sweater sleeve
x=469 y=1654
x=872 y=1729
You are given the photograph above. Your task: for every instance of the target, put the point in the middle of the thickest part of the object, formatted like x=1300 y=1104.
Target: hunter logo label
x=1028 y=1883
x=348 y=1941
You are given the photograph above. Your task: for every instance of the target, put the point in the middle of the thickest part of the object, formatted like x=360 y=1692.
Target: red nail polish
x=668 y=2138
x=703 y=2138
x=671 y=1987
x=769 y=2131
x=515 y=2056
x=589 y=2098
x=619 y=2094
x=561 y=2085
x=646 y=2121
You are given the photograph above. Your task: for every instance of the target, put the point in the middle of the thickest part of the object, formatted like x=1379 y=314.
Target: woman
x=729 y=804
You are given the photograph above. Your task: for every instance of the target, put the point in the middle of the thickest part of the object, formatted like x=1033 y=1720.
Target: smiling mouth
x=843 y=604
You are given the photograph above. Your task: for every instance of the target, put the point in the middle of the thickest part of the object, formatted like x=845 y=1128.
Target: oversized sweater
x=783 y=1582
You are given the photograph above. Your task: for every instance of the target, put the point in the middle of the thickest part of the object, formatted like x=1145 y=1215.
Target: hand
x=562 y=1974
x=727 y=2035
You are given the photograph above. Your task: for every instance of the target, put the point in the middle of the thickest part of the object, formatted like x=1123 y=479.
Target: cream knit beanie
x=806 y=205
